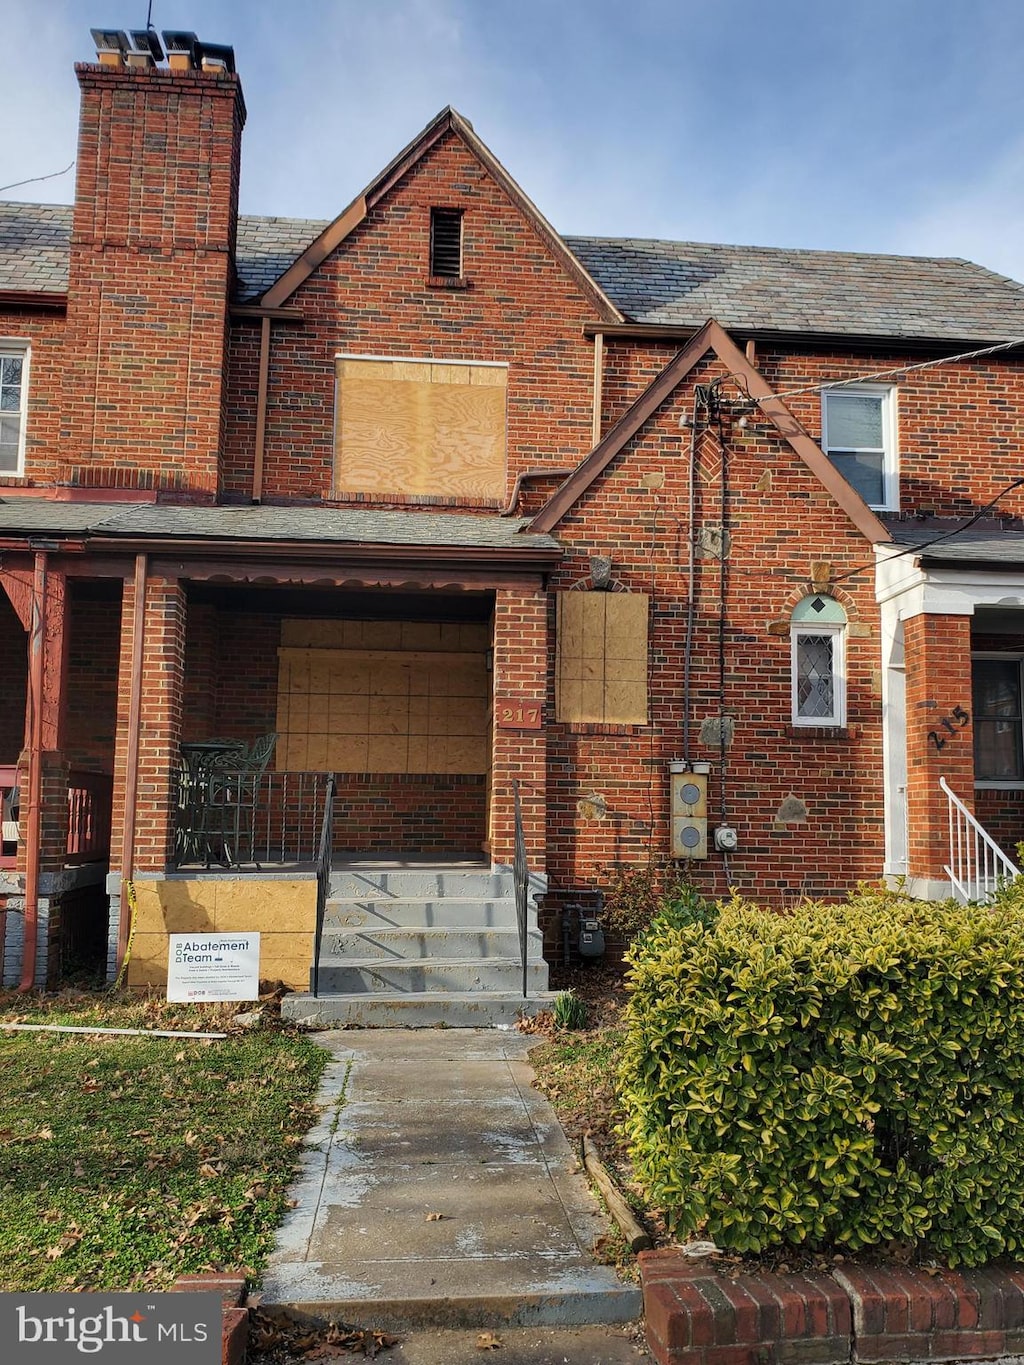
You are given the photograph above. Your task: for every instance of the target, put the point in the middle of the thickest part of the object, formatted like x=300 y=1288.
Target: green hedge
x=842 y=1075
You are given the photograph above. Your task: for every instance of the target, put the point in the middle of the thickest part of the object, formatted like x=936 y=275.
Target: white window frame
x=837 y=632
x=886 y=393
x=21 y=349
x=1010 y=657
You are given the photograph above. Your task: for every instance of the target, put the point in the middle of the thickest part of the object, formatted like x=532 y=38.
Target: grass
x=126 y=1161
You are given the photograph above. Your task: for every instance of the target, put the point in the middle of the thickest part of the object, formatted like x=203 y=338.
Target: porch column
x=162 y=657
x=939 y=742
x=520 y=752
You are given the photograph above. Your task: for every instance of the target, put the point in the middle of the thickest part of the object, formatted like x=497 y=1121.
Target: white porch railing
x=977 y=866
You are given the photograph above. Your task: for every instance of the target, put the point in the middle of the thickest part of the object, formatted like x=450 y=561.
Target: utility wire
x=927 y=544
x=901 y=369
x=34 y=179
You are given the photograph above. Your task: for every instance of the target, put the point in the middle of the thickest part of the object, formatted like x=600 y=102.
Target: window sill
x=447 y=282
x=838 y=733
x=985 y=784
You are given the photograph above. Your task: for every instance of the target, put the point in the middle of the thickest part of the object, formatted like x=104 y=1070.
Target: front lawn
x=126 y=1161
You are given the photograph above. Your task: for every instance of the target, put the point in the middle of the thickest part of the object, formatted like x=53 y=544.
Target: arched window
x=817 y=632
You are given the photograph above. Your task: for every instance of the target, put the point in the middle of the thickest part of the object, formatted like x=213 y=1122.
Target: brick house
x=453 y=505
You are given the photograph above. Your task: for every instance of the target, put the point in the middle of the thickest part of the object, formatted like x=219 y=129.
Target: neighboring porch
x=953 y=655
x=67 y=844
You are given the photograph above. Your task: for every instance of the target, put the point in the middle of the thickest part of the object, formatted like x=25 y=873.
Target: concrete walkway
x=439 y=1190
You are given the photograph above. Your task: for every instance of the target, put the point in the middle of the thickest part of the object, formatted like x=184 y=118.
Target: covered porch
x=952 y=682
x=372 y=648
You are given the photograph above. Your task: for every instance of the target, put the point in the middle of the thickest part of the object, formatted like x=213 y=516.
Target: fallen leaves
x=436 y=1217
x=285 y=1341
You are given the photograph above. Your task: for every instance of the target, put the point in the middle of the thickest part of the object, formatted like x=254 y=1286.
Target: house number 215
x=937 y=738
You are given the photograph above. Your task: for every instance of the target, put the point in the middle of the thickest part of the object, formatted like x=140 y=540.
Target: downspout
x=131 y=774
x=33 y=819
x=261 y=410
x=598 y=386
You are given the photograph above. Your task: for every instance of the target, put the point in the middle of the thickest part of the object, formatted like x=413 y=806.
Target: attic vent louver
x=446 y=242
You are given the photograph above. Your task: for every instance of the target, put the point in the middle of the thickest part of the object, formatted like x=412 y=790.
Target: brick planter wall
x=696 y=1316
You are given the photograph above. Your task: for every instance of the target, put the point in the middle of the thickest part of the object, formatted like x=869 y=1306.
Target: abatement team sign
x=213 y=967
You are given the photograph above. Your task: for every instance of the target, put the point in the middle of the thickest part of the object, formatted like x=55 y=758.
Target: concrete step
x=358 y=883
x=346 y=944
x=421 y=1009
x=449 y=912
x=375 y=975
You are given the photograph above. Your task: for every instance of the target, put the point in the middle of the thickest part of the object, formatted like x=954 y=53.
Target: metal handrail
x=977 y=866
x=323 y=878
x=520 y=879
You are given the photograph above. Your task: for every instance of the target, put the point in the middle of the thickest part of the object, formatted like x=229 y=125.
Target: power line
x=34 y=179
x=901 y=369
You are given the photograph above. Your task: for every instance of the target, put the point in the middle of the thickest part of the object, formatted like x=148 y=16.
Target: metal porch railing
x=324 y=858
x=243 y=819
x=977 y=866
x=520 y=880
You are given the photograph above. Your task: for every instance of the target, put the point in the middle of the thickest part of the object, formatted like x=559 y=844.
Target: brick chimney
x=152 y=265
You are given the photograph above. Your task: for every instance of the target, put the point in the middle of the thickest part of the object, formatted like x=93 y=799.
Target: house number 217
x=937 y=738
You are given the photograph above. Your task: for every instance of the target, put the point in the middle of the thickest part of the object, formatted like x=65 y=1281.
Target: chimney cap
x=219 y=54
x=110 y=40
x=182 y=41
x=145 y=40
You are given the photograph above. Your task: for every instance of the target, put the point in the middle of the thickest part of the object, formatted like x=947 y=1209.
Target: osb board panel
x=283 y=957
x=380 y=711
x=429 y=429
x=460 y=636
x=282 y=912
x=601 y=667
x=225 y=905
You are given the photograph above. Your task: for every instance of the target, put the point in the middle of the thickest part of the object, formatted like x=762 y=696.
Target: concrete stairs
x=423 y=947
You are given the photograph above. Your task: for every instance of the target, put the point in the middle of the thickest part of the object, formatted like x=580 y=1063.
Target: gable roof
x=678 y=284
x=711 y=337
x=448 y=120
x=828 y=293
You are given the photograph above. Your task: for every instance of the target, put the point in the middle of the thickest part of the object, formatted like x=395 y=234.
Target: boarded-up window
x=601 y=672
x=420 y=428
x=383 y=711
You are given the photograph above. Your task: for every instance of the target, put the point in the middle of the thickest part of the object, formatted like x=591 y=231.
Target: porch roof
x=310 y=526
x=961 y=542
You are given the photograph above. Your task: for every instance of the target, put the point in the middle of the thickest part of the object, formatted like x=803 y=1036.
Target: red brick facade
x=148 y=381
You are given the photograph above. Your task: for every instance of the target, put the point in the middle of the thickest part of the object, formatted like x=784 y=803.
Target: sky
x=862 y=125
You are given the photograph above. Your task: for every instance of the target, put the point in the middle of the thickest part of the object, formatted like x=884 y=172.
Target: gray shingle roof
x=984 y=542
x=848 y=293
x=337 y=526
x=34 y=248
x=679 y=284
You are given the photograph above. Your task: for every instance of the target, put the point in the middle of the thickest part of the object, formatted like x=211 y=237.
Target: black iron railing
x=236 y=818
x=323 y=878
x=520 y=880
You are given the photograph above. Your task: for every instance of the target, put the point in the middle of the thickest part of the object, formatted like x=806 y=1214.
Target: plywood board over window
x=383 y=711
x=420 y=428
x=601 y=669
